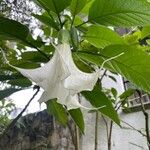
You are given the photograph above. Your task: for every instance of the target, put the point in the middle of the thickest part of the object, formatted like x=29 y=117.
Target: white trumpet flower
x=61 y=79
x=77 y=81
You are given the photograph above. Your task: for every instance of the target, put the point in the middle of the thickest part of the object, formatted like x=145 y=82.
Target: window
x=134 y=100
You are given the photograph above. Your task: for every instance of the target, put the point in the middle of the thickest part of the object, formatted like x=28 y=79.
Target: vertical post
x=96 y=131
x=77 y=136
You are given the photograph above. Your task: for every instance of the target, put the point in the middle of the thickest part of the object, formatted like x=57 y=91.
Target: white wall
x=122 y=139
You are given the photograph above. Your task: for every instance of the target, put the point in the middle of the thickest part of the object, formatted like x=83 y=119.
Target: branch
x=77 y=135
x=146 y=119
x=110 y=135
x=106 y=124
x=136 y=145
x=96 y=131
x=103 y=75
x=139 y=131
x=72 y=133
x=12 y=124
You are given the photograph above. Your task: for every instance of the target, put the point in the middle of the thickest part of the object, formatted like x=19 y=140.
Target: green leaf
x=114 y=92
x=13 y=30
x=76 y=6
x=77 y=21
x=24 y=64
x=7 y=92
x=120 y=12
x=81 y=65
x=47 y=20
x=4 y=77
x=58 y=111
x=88 y=56
x=85 y=10
x=101 y=36
x=77 y=116
x=33 y=56
x=133 y=38
x=134 y=64
x=49 y=49
x=127 y=93
x=145 y=32
x=20 y=82
x=54 y=5
x=98 y=99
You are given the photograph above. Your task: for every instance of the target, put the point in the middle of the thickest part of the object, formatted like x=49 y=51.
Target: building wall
x=123 y=138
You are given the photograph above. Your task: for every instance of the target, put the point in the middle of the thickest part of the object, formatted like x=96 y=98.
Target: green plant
x=87 y=22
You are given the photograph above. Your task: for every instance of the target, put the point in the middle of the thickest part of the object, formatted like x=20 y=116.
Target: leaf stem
x=110 y=135
x=85 y=22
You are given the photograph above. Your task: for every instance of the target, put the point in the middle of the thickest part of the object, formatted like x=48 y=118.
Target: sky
x=21 y=98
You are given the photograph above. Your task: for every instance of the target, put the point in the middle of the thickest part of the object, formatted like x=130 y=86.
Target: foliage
x=92 y=42
x=6 y=107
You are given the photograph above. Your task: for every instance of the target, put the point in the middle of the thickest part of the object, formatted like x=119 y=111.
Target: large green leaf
x=98 y=99
x=13 y=30
x=54 y=5
x=120 y=12
x=10 y=29
x=77 y=116
x=58 y=111
x=7 y=92
x=76 y=6
x=101 y=36
x=134 y=64
x=47 y=20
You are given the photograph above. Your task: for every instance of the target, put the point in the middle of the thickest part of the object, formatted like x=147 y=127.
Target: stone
x=37 y=131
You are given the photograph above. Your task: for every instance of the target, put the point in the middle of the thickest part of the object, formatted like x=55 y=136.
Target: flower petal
x=47 y=76
x=58 y=92
x=78 y=81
